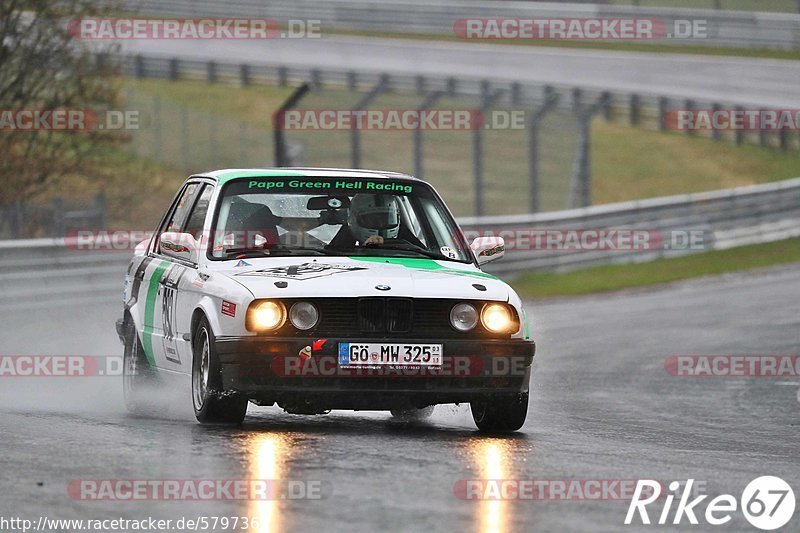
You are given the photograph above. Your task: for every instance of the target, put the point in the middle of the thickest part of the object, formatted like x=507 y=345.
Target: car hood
x=309 y=277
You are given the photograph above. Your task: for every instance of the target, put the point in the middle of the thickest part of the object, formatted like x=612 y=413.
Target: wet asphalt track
x=603 y=407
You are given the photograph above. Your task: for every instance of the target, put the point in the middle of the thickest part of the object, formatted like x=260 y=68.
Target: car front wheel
x=211 y=404
x=500 y=412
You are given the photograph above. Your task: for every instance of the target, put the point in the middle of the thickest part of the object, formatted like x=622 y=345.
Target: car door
x=160 y=284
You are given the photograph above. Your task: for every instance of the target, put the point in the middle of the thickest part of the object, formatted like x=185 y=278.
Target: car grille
x=384 y=318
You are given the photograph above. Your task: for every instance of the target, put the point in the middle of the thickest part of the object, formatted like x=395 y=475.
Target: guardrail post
x=635 y=108
x=58 y=229
x=316 y=79
x=211 y=72
x=516 y=93
x=184 y=114
x=739 y=133
x=763 y=139
x=283 y=75
x=173 y=69
x=663 y=106
x=689 y=106
x=452 y=87
x=607 y=110
x=417 y=133
x=783 y=138
x=420 y=84
x=17 y=219
x=281 y=157
x=351 y=80
x=716 y=133
x=157 y=127
x=100 y=207
x=551 y=100
x=244 y=74
x=355 y=134
x=138 y=66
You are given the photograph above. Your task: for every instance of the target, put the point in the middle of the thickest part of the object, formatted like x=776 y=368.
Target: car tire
x=139 y=379
x=500 y=412
x=211 y=404
x=413 y=415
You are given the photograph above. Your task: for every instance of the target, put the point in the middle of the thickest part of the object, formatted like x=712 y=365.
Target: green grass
x=616 y=277
x=627 y=163
x=787 y=6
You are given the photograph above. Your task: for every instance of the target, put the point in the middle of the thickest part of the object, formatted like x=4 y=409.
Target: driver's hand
x=373 y=240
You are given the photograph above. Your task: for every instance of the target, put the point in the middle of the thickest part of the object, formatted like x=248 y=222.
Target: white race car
x=322 y=289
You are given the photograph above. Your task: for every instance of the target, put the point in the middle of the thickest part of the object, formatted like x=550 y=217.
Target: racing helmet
x=374 y=214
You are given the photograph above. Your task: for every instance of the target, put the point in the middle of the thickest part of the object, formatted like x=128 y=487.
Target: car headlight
x=267 y=315
x=463 y=317
x=304 y=315
x=498 y=318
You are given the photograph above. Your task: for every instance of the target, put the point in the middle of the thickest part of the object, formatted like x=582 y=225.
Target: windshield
x=334 y=216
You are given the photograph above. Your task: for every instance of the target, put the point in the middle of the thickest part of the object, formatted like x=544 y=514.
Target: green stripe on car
x=150 y=311
x=423 y=264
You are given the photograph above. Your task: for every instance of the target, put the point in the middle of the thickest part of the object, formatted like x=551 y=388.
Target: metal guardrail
x=726 y=28
x=45 y=269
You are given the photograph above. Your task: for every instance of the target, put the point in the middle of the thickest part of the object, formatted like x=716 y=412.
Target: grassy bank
x=617 y=277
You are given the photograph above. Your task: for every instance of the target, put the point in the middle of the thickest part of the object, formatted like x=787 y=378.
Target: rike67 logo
x=767 y=502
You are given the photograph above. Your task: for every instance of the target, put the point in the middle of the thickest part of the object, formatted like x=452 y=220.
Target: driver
x=372 y=219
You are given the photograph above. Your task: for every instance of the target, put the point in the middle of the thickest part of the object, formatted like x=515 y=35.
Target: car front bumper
x=304 y=374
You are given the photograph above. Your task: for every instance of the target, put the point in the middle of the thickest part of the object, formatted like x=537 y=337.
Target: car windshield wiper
x=411 y=248
x=272 y=252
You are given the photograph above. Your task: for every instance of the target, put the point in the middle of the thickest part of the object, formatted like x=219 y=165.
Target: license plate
x=352 y=353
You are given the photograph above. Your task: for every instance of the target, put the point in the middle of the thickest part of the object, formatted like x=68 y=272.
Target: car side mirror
x=488 y=249
x=179 y=246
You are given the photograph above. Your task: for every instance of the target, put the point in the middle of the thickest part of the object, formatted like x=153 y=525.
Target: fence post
x=283 y=75
x=487 y=101
x=581 y=187
x=244 y=74
x=281 y=157
x=417 y=133
x=355 y=134
x=551 y=100
x=783 y=137
x=452 y=87
x=607 y=111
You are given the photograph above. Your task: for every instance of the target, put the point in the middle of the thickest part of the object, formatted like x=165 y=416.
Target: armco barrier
x=45 y=269
x=743 y=29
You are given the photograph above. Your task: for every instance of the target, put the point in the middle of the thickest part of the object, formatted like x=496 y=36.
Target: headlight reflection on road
x=492 y=456
x=265 y=458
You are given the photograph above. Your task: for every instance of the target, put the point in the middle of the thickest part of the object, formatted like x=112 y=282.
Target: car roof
x=225 y=175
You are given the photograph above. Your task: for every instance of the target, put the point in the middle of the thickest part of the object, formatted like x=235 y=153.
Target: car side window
x=182 y=207
x=194 y=224
x=179 y=213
